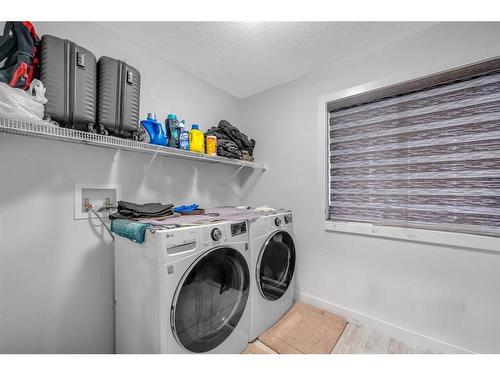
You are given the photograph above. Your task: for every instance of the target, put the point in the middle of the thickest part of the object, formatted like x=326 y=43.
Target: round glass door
x=211 y=300
x=276 y=266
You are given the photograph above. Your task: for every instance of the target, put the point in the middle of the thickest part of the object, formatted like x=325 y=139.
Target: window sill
x=470 y=241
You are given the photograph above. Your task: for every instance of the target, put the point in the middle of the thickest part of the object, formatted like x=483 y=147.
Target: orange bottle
x=211 y=145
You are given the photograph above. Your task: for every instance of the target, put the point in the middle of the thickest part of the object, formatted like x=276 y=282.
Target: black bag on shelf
x=68 y=72
x=226 y=131
x=118 y=98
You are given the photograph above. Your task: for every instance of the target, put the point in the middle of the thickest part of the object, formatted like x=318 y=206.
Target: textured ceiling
x=244 y=58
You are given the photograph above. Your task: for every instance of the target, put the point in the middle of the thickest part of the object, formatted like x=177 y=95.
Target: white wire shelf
x=43 y=129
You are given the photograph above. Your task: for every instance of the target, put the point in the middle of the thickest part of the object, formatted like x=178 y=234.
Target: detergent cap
x=152 y=116
x=171 y=116
x=195 y=127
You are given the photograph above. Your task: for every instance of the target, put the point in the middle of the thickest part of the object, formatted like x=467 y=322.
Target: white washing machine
x=184 y=290
x=272 y=267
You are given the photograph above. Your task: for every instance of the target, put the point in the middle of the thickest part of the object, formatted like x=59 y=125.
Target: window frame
x=389 y=87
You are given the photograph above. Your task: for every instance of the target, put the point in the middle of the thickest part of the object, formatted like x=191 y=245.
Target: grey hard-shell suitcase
x=68 y=72
x=118 y=98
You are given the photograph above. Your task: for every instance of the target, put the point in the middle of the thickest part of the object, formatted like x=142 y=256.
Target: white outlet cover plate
x=79 y=187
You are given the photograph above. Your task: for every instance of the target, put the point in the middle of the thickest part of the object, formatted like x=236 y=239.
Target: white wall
x=433 y=296
x=56 y=274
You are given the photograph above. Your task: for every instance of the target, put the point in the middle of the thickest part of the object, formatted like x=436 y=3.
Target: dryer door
x=276 y=265
x=210 y=300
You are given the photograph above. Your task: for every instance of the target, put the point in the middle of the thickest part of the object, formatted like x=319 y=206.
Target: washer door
x=276 y=265
x=212 y=299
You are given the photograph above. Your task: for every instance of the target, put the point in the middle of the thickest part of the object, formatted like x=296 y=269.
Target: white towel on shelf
x=265 y=208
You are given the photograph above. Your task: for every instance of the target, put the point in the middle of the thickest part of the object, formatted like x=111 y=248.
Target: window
x=423 y=154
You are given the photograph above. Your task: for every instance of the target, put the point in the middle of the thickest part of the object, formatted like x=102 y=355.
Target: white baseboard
x=406 y=336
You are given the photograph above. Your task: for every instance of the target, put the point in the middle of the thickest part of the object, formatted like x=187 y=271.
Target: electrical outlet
x=94 y=195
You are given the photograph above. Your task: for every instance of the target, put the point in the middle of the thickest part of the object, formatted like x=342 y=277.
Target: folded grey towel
x=134 y=210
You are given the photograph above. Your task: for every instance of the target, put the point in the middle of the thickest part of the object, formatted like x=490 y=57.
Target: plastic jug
x=173 y=130
x=196 y=139
x=155 y=130
x=183 y=137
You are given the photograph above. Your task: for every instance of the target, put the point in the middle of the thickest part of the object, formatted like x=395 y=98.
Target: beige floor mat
x=257 y=347
x=305 y=329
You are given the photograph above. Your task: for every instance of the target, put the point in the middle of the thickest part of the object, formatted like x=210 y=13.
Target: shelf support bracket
x=232 y=176
x=146 y=169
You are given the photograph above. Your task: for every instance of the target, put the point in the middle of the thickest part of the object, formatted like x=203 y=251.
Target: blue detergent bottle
x=155 y=130
x=173 y=130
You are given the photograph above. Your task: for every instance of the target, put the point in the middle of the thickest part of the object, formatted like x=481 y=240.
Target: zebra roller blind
x=427 y=159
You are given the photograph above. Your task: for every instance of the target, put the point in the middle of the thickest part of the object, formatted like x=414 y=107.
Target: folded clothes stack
x=232 y=143
x=228 y=149
x=128 y=210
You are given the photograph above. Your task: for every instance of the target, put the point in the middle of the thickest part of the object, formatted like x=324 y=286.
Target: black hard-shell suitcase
x=118 y=98
x=68 y=72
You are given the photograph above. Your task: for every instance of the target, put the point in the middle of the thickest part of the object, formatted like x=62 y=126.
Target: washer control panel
x=288 y=218
x=238 y=228
x=216 y=234
x=277 y=222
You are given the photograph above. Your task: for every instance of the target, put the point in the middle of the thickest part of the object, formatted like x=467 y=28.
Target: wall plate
x=97 y=196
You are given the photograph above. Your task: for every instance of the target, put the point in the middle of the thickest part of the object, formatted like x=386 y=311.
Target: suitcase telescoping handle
x=80 y=59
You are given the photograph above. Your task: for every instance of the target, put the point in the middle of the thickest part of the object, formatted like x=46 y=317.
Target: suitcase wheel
x=101 y=130
x=49 y=119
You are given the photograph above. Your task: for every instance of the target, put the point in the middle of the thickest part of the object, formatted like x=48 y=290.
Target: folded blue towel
x=132 y=230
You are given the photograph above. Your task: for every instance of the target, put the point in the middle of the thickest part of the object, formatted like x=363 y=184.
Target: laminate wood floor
x=361 y=340
x=357 y=339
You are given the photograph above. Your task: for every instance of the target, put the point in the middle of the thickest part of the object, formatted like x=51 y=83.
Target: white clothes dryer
x=272 y=268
